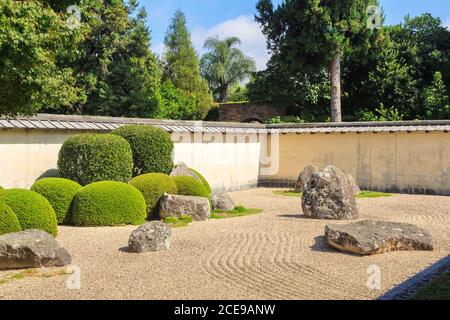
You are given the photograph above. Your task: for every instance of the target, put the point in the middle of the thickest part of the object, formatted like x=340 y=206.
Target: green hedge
x=8 y=220
x=152 y=187
x=204 y=181
x=88 y=158
x=32 y=210
x=189 y=186
x=152 y=148
x=59 y=192
x=108 y=203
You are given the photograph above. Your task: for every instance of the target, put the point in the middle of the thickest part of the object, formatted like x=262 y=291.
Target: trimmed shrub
x=204 y=181
x=32 y=210
x=8 y=220
x=153 y=186
x=88 y=158
x=189 y=186
x=59 y=192
x=152 y=148
x=108 y=203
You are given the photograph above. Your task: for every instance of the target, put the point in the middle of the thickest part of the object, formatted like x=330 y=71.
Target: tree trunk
x=223 y=93
x=336 y=115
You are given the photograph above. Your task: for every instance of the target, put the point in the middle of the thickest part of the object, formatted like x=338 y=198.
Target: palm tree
x=224 y=65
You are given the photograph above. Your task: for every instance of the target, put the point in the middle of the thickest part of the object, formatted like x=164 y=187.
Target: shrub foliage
x=189 y=186
x=88 y=158
x=8 y=220
x=108 y=203
x=204 y=181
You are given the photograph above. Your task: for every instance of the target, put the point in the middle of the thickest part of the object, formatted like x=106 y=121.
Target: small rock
x=329 y=195
x=181 y=169
x=176 y=206
x=31 y=249
x=353 y=183
x=222 y=201
x=373 y=237
x=152 y=236
x=304 y=177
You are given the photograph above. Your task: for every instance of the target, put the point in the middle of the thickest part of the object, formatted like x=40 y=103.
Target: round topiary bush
x=153 y=186
x=152 y=148
x=8 y=220
x=88 y=158
x=189 y=186
x=204 y=181
x=59 y=192
x=32 y=210
x=108 y=203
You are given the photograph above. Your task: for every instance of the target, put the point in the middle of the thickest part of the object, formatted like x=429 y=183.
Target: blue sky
x=235 y=17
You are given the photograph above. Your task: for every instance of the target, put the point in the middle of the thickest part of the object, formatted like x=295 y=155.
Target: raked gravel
x=277 y=254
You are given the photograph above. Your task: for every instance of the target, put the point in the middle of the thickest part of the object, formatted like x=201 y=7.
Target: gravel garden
x=138 y=226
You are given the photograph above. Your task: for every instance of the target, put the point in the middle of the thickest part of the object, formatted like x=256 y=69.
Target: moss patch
x=178 y=222
x=438 y=289
x=32 y=273
x=372 y=194
x=239 y=211
x=288 y=193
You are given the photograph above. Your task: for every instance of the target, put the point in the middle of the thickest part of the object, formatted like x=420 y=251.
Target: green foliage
x=59 y=192
x=178 y=222
x=238 y=93
x=87 y=158
x=213 y=113
x=204 y=181
x=175 y=104
x=108 y=203
x=33 y=38
x=8 y=220
x=239 y=211
x=372 y=194
x=152 y=148
x=189 y=186
x=288 y=193
x=438 y=289
x=181 y=65
x=224 y=65
x=285 y=119
x=153 y=186
x=436 y=100
x=381 y=114
x=32 y=210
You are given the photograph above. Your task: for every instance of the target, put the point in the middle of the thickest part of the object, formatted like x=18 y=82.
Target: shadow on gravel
x=293 y=216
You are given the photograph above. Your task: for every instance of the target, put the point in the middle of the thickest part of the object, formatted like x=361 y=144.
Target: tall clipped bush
x=32 y=210
x=59 y=192
x=152 y=148
x=88 y=158
x=189 y=186
x=8 y=220
x=204 y=181
x=153 y=186
x=108 y=203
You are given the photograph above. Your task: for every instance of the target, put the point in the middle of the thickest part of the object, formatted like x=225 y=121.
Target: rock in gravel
x=304 y=177
x=373 y=237
x=353 y=183
x=222 y=201
x=329 y=195
x=175 y=206
x=152 y=236
x=181 y=169
x=31 y=249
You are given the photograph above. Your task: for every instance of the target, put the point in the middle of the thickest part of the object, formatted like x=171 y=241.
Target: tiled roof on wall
x=91 y=123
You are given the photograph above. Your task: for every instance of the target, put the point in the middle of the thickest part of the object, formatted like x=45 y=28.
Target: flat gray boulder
x=181 y=169
x=329 y=195
x=353 y=183
x=304 y=177
x=222 y=201
x=373 y=237
x=175 y=206
x=152 y=236
x=31 y=249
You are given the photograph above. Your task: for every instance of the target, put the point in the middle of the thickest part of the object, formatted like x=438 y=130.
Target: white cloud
x=244 y=27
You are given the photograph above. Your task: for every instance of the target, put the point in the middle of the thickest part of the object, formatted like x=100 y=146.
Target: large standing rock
x=222 y=201
x=353 y=183
x=175 y=206
x=373 y=237
x=329 y=195
x=152 y=236
x=304 y=177
x=31 y=249
x=181 y=169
